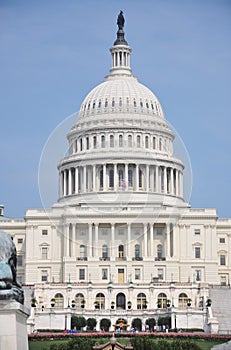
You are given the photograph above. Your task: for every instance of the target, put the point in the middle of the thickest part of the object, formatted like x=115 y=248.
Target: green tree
x=137 y=324
x=91 y=323
x=78 y=322
x=105 y=324
x=151 y=322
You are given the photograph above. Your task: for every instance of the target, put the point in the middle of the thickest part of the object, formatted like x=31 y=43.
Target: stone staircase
x=221 y=307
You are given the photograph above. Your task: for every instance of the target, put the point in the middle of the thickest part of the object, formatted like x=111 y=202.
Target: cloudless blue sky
x=53 y=52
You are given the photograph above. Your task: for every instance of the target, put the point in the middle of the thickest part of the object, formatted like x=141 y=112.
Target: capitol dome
x=121 y=145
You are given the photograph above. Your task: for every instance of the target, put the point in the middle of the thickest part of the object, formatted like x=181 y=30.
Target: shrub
x=137 y=324
x=105 y=324
x=151 y=322
x=91 y=323
x=78 y=322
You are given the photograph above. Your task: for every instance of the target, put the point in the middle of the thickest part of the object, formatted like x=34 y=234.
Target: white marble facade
x=121 y=230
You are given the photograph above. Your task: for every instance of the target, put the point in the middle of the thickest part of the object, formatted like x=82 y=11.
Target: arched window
x=78 y=300
x=138 y=141
x=129 y=140
x=59 y=300
x=83 y=251
x=111 y=141
x=130 y=177
x=182 y=300
x=103 y=141
x=100 y=299
x=120 y=301
x=134 y=103
x=137 y=251
x=160 y=144
x=121 y=251
x=162 y=300
x=104 y=251
x=120 y=140
x=111 y=178
x=87 y=142
x=146 y=142
x=99 y=105
x=159 y=251
x=141 y=104
x=154 y=143
x=94 y=141
x=81 y=144
x=141 y=301
x=101 y=178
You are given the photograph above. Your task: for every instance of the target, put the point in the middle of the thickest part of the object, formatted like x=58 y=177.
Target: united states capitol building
x=121 y=241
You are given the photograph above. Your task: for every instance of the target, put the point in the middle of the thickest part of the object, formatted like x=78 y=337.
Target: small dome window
x=88 y=107
x=134 y=103
x=147 y=105
x=84 y=107
x=152 y=106
x=106 y=103
x=99 y=105
x=120 y=102
x=127 y=101
x=141 y=104
x=93 y=105
x=113 y=103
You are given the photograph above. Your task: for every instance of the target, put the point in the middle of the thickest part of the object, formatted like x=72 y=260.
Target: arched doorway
x=121 y=301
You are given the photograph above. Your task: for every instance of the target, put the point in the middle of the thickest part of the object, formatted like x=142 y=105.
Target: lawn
x=45 y=344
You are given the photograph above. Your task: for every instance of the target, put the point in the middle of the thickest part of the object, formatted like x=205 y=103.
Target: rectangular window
x=198 y=275
x=223 y=280
x=222 y=240
x=44 y=253
x=136 y=232
x=82 y=274
x=160 y=274
x=159 y=231
x=120 y=231
x=104 y=274
x=44 y=276
x=44 y=232
x=197 y=231
x=20 y=240
x=137 y=274
x=104 y=231
x=19 y=260
x=222 y=260
x=197 y=252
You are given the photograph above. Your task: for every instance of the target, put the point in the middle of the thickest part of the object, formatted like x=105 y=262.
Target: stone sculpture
x=9 y=287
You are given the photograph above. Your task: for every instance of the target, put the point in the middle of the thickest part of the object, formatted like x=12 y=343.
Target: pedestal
x=13 y=329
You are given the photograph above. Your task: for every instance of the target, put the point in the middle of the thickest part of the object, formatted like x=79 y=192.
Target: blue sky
x=53 y=52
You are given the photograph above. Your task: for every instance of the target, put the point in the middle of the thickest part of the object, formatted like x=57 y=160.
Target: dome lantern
x=120 y=51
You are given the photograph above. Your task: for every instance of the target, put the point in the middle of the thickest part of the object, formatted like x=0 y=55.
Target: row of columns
x=107 y=177
x=94 y=250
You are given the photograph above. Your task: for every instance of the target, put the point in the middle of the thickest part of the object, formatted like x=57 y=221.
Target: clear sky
x=53 y=52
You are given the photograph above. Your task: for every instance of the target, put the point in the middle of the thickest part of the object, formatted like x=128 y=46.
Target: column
x=115 y=177
x=165 y=180
x=137 y=178
x=168 y=240
x=172 y=182
x=96 y=241
x=181 y=184
x=177 y=187
x=60 y=184
x=76 y=180
x=64 y=183
x=113 y=242
x=84 y=178
x=151 y=240
x=175 y=241
x=145 y=240
x=66 y=238
x=129 y=242
x=126 y=175
x=74 y=240
x=90 y=239
x=157 y=178
x=94 y=178
x=104 y=178
x=70 y=182
x=147 y=177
